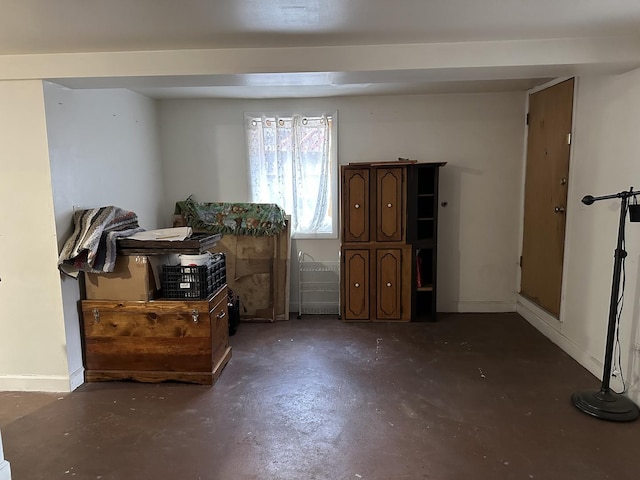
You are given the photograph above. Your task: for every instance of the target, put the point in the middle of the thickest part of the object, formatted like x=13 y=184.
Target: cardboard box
x=131 y=279
x=258 y=271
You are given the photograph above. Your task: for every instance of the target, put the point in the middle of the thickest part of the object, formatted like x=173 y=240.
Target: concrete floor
x=473 y=396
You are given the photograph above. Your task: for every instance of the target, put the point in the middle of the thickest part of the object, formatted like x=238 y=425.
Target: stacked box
x=132 y=279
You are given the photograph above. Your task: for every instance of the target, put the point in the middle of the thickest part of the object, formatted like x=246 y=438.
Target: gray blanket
x=92 y=245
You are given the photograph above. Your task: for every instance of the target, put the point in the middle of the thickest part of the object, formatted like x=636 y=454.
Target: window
x=292 y=162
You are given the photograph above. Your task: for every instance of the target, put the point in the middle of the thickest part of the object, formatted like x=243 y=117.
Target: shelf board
x=426 y=194
x=426 y=288
x=425 y=218
x=424 y=242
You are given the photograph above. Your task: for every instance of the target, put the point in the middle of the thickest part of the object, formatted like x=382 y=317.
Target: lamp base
x=606 y=405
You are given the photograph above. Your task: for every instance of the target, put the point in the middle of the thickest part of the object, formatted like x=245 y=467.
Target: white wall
x=605 y=160
x=103 y=147
x=32 y=342
x=479 y=135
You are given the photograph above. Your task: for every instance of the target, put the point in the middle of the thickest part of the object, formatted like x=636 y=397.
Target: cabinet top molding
x=400 y=161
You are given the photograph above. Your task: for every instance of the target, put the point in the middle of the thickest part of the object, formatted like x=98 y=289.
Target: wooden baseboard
x=376 y=320
x=34 y=383
x=476 y=307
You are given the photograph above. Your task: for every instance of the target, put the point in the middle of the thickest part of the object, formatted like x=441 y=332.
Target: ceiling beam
x=611 y=55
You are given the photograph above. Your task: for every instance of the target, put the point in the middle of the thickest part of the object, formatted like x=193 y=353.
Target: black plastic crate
x=187 y=282
x=194 y=281
x=219 y=270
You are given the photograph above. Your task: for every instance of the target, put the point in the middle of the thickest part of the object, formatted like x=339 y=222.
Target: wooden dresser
x=375 y=256
x=155 y=341
x=388 y=241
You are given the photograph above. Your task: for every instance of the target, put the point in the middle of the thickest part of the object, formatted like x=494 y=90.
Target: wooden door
x=545 y=203
x=390 y=206
x=355 y=204
x=388 y=283
x=356 y=284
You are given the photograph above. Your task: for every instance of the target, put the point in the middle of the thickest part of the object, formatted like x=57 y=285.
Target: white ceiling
x=72 y=26
x=44 y=26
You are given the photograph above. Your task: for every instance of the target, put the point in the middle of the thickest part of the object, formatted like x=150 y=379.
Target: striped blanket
x=92 y=245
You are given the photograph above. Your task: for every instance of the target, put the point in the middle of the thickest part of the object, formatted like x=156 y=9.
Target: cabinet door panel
x=389 y=283
x=356 y=284
x=355 y=194
x=389 y=204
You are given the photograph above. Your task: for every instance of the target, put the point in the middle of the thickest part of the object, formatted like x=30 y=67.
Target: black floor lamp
x=605 y=403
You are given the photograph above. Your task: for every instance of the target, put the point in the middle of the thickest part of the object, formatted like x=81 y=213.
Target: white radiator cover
x=318 y=286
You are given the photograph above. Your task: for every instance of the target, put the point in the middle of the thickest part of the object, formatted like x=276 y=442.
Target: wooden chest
x=155 y=341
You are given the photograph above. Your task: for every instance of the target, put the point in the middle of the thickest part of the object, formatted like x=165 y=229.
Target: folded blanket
x=92 y=245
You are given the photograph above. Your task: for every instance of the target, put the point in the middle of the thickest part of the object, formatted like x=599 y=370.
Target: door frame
x=521 y=300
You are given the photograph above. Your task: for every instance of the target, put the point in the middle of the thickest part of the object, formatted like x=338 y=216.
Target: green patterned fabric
x=256 y=219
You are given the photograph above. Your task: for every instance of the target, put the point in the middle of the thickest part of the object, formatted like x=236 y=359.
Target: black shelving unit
x=422 y=234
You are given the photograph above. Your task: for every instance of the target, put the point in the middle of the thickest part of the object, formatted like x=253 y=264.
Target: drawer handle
x=221 y=315
x=388 y=284
x=356 y=285
x=357 y=205
x=195 y=314
x=96 y=315
x=389 y=205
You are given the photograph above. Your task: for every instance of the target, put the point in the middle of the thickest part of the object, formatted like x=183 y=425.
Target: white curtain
x=290 y=164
